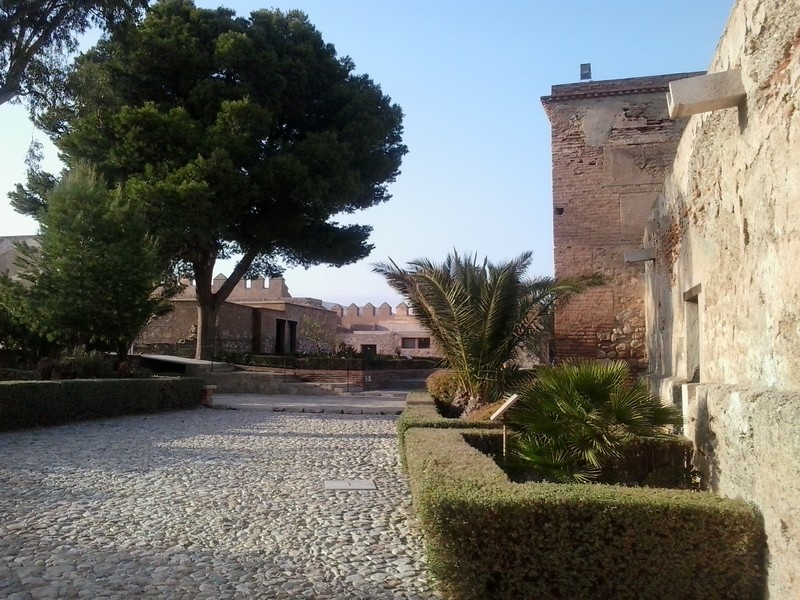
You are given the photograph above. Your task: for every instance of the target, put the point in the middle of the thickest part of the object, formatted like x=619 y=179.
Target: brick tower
x=612 y=143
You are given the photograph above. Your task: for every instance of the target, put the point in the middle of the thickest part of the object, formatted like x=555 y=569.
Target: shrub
x=442 y=385
x=34 y=403
x=487 y=538
x=338 y=363
x=82 y=364
x=16 y=375
x=45 y=368
x=274 y=361
x=575 y=418
x=233 y=357
x=421 y=411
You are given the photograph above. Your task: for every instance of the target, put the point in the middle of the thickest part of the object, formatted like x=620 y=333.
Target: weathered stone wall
x=611 y=144
x=722 y=294
x=388 y=342
x=248 y=322
x=247 y=290
x=178 y=324
x=242 y=328
x=9 y=254
x=382 y=327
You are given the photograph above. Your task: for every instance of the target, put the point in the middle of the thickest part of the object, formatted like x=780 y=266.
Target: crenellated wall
x=388 y=331
x=258 y=313
x=723 y=305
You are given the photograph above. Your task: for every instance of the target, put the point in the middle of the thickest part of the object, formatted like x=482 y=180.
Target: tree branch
x=236 y=276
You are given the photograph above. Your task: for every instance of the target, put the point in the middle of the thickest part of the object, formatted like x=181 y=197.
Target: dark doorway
x=280 y=336
x=292 y=337
x=255 y=346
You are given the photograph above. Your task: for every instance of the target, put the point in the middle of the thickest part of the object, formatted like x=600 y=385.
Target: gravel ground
x=207 y=504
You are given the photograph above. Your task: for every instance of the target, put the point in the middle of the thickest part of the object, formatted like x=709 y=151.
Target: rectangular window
x=414 y=343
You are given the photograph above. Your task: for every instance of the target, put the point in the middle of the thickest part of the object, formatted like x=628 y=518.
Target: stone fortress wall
x=389 y=331
x=723 y=291
x=262 y=316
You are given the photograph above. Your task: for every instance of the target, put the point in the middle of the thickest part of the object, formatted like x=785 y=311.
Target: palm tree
x=481 y=313
x=574 y=417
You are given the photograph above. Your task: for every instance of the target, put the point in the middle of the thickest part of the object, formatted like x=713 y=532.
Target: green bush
x=442 y=385
x=490 y=539
x=574 y=418
x=16 y=375
x=77 y=364
x=232 y=357
x=34 y=403
x=274 y=361
x=421 y=411
x=337 y=363
x=82 y=364
x=661 y=462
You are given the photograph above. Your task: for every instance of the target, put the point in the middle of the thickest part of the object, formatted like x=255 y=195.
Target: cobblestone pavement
x=207 y=504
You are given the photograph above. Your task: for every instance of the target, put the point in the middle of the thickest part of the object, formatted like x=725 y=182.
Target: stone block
x=705 y=93
x=640 y=255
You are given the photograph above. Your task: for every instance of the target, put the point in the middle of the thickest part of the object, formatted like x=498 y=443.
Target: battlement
x=369 y=310
x=247 y=290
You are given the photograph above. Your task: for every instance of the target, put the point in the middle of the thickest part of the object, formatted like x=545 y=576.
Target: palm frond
x=585 y=412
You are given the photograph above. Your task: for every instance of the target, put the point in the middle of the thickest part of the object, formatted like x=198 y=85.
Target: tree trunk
x=7 y=94
x=206 y=328
x=208 y=302
x=207 y=309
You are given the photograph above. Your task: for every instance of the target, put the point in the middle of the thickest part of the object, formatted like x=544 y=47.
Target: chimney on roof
x=586 y=72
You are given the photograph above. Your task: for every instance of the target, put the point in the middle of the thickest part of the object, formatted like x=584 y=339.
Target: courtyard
x=208 y=504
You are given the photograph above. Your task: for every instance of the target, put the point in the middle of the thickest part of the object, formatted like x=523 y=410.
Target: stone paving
x=207 y=504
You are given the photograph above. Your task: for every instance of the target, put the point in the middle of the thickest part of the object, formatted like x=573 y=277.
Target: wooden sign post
x=498 y=414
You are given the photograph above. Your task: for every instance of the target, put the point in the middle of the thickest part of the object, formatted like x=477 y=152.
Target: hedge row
x=421 y=411
x=33 y=403
x=332 y=363
x=488 y=538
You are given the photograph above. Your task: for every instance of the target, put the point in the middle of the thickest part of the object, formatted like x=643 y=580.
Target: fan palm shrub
x=574 y=417
x=481 y=313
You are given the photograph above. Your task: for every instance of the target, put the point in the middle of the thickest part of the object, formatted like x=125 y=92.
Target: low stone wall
x=367 y=380
x=748 y=446
x=247 y=382
x=290 y=381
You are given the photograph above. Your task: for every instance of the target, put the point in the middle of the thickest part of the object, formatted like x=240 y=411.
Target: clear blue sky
x=468 y=76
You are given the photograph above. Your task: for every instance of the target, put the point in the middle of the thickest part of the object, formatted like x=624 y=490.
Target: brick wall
x=612 y=142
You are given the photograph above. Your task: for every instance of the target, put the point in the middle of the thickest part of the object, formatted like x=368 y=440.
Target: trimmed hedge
x=421 y=411
x=488 y=538
x=332 y=363
x=34 y=403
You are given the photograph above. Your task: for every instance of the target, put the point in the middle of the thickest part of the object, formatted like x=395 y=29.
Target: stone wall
x=9 y=254
x=243 y=328
x=384 y=328
x=722 y=294
x=611 y=144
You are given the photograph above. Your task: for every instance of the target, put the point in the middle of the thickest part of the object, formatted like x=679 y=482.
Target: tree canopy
x=96 y=278
x=37 y=36
x=237 y=136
